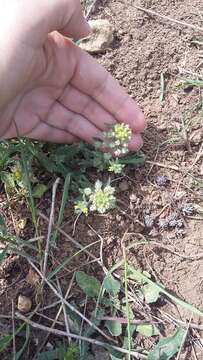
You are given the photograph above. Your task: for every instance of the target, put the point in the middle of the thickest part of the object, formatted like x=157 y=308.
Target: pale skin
x=50 y=89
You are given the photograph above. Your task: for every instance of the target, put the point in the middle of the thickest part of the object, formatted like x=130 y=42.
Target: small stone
x=118 y=217
x=101 y=37
x=133 y=198
x=124 y=186
x=24 y=304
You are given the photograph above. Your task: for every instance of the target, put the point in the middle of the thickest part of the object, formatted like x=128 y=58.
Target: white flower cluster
x=100 y=199
x=115 y=166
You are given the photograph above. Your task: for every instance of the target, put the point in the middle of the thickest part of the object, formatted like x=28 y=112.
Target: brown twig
x=175 y=168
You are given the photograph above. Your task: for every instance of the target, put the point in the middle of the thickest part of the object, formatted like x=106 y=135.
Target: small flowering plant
x=101 y=199
x=118 y=138
x=115 y=143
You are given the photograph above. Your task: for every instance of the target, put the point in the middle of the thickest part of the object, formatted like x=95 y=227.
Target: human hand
x=52 y=90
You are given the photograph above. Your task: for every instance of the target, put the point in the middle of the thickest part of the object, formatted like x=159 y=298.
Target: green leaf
x=151 y=293
x=147 y=330
x=133 y=159
x=167 y=347
x=135 y=274
x=8 y=180
x=39 y=191
x=5 y=341
x=114 y=327
x=71 y=353
x=20 y=352
x=89 y=284
x=57 y=354
x=88 y=332
x=111 y=285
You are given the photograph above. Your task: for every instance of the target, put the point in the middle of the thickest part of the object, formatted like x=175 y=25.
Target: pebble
x=24 y=304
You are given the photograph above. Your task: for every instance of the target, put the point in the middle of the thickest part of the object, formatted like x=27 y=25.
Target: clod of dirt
x=101 y=37
x=24 y=304
x=197 y=136
x=124 y=186
x=32 y=278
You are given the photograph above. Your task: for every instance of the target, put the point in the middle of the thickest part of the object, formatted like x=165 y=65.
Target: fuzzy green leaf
x=147 y=330
x=39 y=191
x=89 y=284
x=167 y=347
x=114 y=327
x=111 y=285
x=151 y=293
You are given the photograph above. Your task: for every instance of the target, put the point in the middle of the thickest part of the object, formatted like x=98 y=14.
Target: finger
x=38 y=18
x=83 y=104
x=80 y=127
x=136 y=142
x=48 y=133
x=73 y=123
x=92 y=79
x=75 y=26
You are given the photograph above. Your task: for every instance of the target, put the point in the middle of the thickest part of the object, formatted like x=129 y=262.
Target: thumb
x=35 y=19
x=66 y=17
x=75 y=25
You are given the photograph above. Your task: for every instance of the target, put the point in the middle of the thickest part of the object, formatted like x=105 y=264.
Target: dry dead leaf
x=32 y=278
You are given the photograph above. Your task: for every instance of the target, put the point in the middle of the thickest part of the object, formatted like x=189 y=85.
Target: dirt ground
x=144 y=48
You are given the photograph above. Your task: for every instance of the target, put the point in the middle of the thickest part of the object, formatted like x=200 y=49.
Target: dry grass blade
x=171 y=167
x=134 y=354
x=58 y=313
x=64 y=308
x=13 y=330
x=69 y=305
x=73 y=241
x=51 y=221
x=184 y=338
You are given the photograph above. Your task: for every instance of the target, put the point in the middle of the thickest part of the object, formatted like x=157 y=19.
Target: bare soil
x=144 y=48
